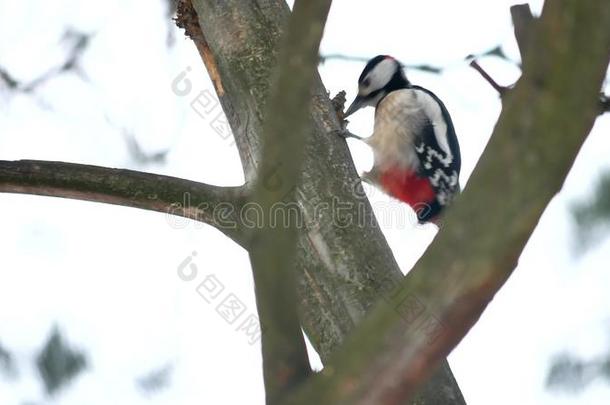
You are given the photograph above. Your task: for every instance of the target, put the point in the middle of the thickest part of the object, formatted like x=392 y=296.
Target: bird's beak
x=357 y=104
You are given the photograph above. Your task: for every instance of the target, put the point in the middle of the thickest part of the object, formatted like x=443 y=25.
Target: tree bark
x=273 y=246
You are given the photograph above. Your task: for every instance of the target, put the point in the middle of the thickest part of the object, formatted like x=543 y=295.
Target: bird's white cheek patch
x=380 y=75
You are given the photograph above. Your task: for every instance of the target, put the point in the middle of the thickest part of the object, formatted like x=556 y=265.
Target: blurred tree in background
x=592 y=215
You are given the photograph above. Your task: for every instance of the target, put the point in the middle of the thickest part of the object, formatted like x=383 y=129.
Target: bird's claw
x=345 y=133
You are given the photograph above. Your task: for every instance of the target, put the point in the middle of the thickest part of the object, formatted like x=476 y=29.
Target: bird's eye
x=366 y=82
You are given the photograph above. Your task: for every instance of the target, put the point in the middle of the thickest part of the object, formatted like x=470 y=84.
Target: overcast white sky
x=108 y=275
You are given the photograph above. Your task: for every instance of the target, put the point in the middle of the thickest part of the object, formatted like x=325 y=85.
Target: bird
x=415 y=148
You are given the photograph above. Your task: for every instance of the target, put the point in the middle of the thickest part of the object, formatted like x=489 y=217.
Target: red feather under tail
x=407 y=186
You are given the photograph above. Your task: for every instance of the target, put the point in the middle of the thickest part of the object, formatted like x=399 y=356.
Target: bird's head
x=381 y=75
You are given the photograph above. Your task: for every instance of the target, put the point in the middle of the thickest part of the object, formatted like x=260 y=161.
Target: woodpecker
x=416 y=151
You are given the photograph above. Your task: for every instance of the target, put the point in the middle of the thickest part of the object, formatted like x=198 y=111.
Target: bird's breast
x=397 y=120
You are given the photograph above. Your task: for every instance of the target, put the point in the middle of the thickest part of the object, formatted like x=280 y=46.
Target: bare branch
x=217 y=206
x=285 y=359
x=397 y=346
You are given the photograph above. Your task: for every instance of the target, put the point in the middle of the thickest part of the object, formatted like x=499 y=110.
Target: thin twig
x=502 y=90
x=523 y=20
x=496 y=51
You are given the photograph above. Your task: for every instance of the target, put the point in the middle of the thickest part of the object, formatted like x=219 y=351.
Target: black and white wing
x=437 y=147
